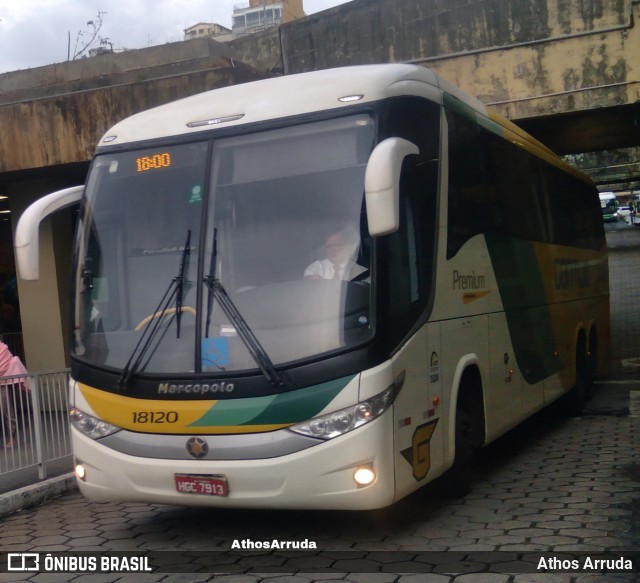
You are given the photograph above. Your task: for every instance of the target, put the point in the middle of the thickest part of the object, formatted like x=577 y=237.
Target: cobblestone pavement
x=553 y=485
x=624 y=277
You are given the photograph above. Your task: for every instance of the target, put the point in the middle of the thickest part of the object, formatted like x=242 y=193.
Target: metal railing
x=34 y=425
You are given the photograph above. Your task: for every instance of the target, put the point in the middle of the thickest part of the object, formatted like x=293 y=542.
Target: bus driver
x=341 y=248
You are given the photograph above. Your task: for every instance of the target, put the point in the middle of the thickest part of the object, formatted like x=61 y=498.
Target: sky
x=34 y=33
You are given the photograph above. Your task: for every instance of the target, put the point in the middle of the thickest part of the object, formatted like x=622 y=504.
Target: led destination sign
x=154 y=162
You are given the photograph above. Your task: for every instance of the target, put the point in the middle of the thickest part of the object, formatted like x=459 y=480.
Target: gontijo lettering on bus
x=571 y=273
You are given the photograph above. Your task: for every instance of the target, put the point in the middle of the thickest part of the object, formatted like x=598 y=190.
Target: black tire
x=456 y=483
x=572 y=404
x=592 y=365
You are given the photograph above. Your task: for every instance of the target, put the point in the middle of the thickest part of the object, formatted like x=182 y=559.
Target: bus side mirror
x=382 y=184
x=27 y=238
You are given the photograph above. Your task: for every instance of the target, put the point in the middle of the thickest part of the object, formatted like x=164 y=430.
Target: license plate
x=208 y=485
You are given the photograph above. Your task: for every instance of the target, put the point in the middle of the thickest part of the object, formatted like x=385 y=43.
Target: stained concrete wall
x=104 y=69
x=586 y=59
x=528 y=57
x=65 y=128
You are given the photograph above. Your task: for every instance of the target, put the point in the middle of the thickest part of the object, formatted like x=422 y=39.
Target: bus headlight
x=91 y=426
x=340 y=422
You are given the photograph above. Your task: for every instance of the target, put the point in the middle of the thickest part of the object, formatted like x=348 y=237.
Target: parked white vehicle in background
x=624 y=213
x=609 y=206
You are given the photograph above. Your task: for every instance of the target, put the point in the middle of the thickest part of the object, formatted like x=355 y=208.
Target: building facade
x=212 y=29
x=259 y=15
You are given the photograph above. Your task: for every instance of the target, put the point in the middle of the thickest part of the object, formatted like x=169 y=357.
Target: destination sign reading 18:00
x=154 y=162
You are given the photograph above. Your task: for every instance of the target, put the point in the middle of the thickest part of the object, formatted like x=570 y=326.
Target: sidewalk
x=42 y=446
x=624 y=283
x=36 y=493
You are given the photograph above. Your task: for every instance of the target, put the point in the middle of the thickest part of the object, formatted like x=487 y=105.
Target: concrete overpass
x=566 y=70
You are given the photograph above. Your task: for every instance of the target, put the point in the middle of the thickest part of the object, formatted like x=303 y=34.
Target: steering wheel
x=360 y=278
x=168 y=312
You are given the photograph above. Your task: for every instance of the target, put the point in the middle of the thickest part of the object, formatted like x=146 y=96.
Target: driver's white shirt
x=325 y=269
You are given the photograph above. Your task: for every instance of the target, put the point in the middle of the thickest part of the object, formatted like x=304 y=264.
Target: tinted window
x=497 y=188
x=576 y=219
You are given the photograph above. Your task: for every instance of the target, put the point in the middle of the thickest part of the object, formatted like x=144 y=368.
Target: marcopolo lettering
x=195 y=388
x=468 y=281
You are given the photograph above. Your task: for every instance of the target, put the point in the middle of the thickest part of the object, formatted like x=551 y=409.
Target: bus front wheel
x=469 y=433
x=458 y=481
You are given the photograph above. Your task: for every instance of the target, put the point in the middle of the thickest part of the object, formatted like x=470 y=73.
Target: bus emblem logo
x=419 y=454
x=197 y=447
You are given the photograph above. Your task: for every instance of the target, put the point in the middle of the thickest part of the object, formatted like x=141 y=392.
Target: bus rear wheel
x=592 y=364
x=572 y=403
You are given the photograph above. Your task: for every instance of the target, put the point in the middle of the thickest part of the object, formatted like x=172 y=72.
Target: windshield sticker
x=196 y=194
x=215 y=351
x=138 y=252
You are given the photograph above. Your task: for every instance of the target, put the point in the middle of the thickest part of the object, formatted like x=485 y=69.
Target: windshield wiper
x=209 y=280
x=175 y=290
x=253 y=345
x=216 y=290
x=180 y=281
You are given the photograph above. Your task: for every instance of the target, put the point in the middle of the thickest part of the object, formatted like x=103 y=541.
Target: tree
x=90 y=35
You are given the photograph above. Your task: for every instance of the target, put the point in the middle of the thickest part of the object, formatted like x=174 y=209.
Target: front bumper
x=320 y=477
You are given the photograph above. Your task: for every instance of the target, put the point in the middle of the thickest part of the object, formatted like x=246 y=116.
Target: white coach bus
x=320 y=291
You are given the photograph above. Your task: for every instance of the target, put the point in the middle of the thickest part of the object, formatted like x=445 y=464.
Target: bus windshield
x=274 y=220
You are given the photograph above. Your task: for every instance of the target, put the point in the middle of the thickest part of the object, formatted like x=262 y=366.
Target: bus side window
x=518 y=191
x=572 y=211
x=495 y=187
x=409 y=252
x=473 y=197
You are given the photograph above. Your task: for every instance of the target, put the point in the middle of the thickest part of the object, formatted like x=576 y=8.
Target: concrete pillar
x=44 y=322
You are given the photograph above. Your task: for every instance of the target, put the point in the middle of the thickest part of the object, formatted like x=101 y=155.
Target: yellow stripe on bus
x=160 y=416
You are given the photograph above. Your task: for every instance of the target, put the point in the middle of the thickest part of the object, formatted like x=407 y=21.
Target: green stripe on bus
x=290 y=407
x=520 y=283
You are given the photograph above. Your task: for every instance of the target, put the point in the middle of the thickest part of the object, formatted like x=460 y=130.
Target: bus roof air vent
x=215 y=121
